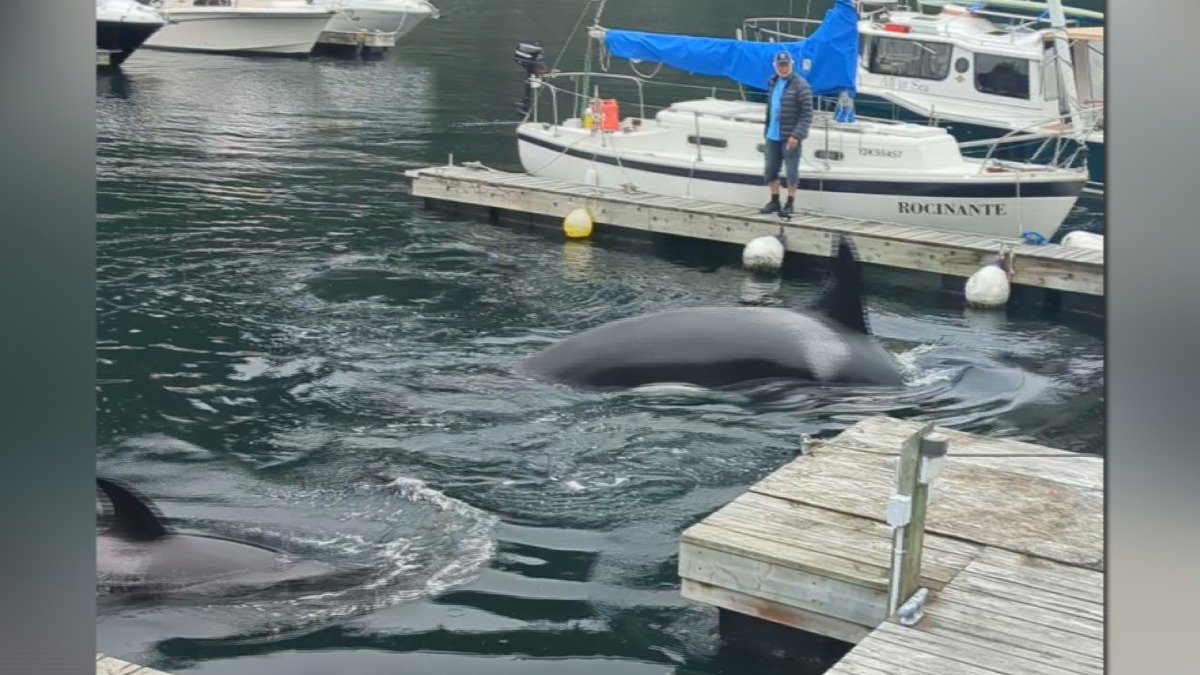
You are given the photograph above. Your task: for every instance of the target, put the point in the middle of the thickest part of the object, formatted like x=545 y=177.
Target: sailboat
x=983 y=70
x=712 y=149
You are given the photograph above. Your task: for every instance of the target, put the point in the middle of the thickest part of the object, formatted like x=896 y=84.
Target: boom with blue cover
x=828 y=58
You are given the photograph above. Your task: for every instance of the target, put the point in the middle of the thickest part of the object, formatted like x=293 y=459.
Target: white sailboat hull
x=903 y=174
x=994 y=216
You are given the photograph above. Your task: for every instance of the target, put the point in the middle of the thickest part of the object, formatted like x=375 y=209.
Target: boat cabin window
x=908 y=58
x=835 y=155
x=1002 y=75
x=212 y=3
x=709 y=141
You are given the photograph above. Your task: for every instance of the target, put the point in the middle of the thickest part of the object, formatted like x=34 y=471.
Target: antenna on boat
x=594 y=32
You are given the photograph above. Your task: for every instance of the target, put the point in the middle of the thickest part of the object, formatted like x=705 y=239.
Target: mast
x=584 y=102
x=1068 y=102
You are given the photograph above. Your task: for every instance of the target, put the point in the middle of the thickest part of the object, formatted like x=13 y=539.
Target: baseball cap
x=783 y=57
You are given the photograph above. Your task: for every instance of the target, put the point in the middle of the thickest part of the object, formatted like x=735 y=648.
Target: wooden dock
x=1013 y=555
x=958 y=255
x=107 y=665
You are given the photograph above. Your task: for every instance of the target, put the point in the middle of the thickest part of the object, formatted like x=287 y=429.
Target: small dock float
x=955 y=255
x=1001 y=570
x=107 y=665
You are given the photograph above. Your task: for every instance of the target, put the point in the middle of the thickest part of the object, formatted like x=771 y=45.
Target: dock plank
x=1014 y=511
x=784 y=582
x=973 y=653
x=1047 y=599
x=963 y=624
x=882 y=436
x=885 y=435
x=770 y=610
x=909 y=661
x=1031 y=615
x=946 y=615
x=1082 y=583
x=769 y=527
x=787 y=508
x=1049 y=266
x=107 y=665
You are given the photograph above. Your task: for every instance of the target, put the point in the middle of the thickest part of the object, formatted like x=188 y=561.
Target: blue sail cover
x=830 y=53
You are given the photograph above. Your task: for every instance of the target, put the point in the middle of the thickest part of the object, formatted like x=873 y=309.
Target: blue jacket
x=796 y=111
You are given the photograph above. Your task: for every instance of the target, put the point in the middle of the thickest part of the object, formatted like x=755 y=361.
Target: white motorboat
x=122 y=26
x=982 y=70
x=712 y=149
x=894 y=172
x=396 y=18
x=242 y=26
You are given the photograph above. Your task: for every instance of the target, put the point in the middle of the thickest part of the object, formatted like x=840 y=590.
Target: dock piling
x=918 y=464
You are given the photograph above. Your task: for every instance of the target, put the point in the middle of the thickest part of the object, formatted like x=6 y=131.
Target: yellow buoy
x=578 y=224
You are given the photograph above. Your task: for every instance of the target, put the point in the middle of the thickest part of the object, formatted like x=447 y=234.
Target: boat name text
x=893 y=82
x=951 y=209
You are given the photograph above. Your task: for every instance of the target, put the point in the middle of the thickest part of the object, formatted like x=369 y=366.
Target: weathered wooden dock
x=107 y=665
x=958 y=255
x=1013 y=555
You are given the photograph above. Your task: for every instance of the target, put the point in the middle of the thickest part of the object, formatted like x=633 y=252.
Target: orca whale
x=718 y=347
x=141 y=552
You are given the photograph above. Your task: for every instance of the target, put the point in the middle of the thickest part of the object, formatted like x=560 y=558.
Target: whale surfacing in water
x=725 y=346
x=140 y=552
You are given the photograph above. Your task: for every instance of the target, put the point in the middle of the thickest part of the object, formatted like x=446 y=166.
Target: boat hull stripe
x=990 y=190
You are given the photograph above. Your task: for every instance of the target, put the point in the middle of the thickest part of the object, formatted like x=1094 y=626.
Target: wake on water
x=411 y=541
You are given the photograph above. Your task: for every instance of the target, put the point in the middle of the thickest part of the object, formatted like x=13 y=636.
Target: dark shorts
x=777 y=153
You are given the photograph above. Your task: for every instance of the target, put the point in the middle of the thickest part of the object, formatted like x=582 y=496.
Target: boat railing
x=543 y=82
x=776 y=28
x=1061 y=140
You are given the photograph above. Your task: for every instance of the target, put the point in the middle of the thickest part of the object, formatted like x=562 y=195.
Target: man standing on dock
x=789 y=111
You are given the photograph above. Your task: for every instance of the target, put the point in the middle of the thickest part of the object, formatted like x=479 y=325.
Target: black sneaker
x=771 y=207
x=788 y=208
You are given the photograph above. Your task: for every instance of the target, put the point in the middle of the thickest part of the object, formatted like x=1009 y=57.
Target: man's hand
x=792 y=142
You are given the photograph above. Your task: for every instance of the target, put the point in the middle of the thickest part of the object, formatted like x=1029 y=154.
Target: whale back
x=720 y=346
x=711 y=347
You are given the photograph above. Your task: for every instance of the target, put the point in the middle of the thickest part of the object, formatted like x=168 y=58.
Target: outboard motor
x=531 y=60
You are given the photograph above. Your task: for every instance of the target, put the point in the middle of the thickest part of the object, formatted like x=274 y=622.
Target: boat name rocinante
x=951 y=209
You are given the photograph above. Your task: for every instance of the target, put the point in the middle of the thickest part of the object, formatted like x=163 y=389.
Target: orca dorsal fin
x=842 y=298
x=134 y=517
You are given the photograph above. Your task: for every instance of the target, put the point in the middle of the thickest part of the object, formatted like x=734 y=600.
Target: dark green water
x=292 y=350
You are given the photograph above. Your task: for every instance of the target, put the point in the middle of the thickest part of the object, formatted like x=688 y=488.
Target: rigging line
x=578 y=22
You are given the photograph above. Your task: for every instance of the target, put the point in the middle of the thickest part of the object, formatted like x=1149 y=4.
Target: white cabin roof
x=956 y=24
x=745 y=111
x=749 y=112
